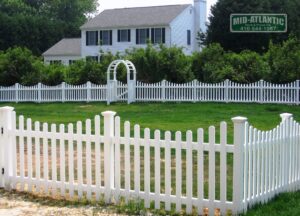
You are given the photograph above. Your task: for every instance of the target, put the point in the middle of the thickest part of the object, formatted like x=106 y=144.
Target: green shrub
x=82 y=71
x=284 y=61
x=53 y=74
x=213 y=64
x=18 y=65
x=157 y=63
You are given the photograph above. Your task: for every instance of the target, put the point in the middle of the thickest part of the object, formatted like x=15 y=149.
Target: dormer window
x=92 y=38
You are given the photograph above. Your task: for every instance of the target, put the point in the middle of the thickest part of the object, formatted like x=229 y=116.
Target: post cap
x=285 y=116
x=239 y=119
x=7 y=108
x=108 y=113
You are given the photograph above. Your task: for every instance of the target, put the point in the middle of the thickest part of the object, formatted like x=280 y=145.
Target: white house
x=116 y=30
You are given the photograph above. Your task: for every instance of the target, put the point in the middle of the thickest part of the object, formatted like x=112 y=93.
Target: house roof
x=138 y=16
x=65 y=47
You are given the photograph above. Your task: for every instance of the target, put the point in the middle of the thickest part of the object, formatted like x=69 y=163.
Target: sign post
x=258 y=23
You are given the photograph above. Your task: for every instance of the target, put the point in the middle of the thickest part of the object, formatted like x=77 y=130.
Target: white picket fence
x=103 y=162
x=195 y=91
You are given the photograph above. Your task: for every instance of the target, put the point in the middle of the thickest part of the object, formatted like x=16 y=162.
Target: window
x=188 y=37
x=158 y=35
x=92 y=38
x=124 y=35
x=71 y=62
x=142 y=35
x=92 y=58
x=55 y=62
x=106 y=37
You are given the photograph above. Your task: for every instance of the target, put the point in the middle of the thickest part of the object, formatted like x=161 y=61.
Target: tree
x=219 y=23
x=39 y=24
x=284 y=61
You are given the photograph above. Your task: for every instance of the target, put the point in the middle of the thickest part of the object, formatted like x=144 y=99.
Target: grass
x=168 y=116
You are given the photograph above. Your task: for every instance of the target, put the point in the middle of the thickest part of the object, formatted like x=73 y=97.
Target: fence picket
x=147 y=166
x=212 y=177
x=98 y=156
x=62 y=162
x=127 y=159
x=88 y=158
x=178 y=170
x=223 y=168
x=136 y=160
x=29 y=153
x=157 y=168
x=168 y=178
x=37 y=157
x=71 y=160
x=45 y=159
x=53 y=160
x=79 y=159
x=189 y=172
x=22 y=159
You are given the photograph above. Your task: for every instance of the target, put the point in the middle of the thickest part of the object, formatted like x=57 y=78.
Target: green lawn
x=169 y=116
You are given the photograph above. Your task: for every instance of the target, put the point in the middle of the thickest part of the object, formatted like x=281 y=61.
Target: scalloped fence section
x=104 y=159
x=164 y=91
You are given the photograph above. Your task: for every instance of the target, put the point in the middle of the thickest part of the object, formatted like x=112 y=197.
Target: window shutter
x=137 y=36
x=87 y=38
x=97 y=38
x=129 y=35
x=152 y=35
x=101 y=38
x=110 y=39
x=119 y=35
x=163 y=35
x=148 y=34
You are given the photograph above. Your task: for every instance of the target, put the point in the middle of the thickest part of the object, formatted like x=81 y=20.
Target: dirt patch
x=20 y=204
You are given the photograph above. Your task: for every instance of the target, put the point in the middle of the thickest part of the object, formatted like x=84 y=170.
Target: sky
x=110 y=4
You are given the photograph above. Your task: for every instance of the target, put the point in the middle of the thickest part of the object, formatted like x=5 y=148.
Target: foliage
x=213 y=64
x=219 y=23
x=82 y=71
x=284 y=61
x=155 y=63
x=37 y=25
x=18 y=65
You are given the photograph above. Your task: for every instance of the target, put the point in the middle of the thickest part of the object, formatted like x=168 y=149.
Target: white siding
x=179 y=26
x=64 y=59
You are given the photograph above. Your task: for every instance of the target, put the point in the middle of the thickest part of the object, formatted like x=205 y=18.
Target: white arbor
x=116 y=91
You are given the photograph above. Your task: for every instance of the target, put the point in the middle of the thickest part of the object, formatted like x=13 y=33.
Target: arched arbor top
x=130 y=68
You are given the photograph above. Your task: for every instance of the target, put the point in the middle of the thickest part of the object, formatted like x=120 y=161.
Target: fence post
x=6 y=146
x=17 y=92
x=63 y=91
x=298 y=92
x=88 y=93
x=39 y=92
x=108 y=153
x=261 y=98
x=226 y=90
x=285 y=118
x=238 y=163
x=194 y=90
x=163 y=90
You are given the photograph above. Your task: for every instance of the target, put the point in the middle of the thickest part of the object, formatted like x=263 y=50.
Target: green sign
x=258 y=23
